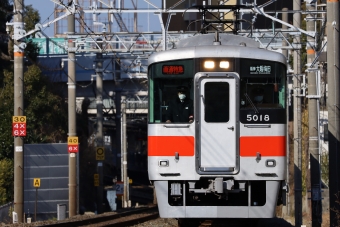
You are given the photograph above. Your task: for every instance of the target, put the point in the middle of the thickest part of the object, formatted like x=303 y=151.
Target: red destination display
x=173 y=69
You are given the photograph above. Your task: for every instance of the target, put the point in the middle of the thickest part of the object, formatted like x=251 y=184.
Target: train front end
x=229 y=159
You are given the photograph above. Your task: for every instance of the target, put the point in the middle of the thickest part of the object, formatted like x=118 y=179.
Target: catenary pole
x=313 y=125
x=118 y=122
x=285 y=53
x=99 y=134
x=297 y=121
x=333 y=106
x=72 y=128
x=18 y=109
x=124 y=153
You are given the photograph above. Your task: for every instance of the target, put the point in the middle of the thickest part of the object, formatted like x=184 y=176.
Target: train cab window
x=169 y=82
x=216 y=102
x=263 y=84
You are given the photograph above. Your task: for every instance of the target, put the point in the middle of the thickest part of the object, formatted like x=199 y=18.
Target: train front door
x=217 y=128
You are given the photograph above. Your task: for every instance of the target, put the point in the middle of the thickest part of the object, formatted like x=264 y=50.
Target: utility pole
x=19 y=46
x=285 y=53
x=297 y=120
x=72 y=128
x=333 y=105
x=99 y=135
x=124 y=154
x=135 y=16
x=313 y=117
x=118 y=125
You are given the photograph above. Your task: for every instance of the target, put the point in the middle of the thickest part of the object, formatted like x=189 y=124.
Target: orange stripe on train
x=168 y=145
x=266 y=145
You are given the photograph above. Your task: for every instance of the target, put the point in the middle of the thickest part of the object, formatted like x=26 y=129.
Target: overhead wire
x=75 y=82
x=25 y=11
x=59 y=45
x=90 y=32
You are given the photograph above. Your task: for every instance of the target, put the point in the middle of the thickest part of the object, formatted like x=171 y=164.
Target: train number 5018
x=256 y=117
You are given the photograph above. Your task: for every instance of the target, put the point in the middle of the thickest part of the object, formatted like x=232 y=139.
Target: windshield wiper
x=251 y=103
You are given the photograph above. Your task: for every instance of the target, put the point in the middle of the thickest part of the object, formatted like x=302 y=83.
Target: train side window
x=216 y=102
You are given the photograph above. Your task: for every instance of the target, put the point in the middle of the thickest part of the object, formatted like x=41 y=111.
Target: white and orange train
x=230 y=161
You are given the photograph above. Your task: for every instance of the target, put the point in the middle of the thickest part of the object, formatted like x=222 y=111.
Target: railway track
x=218 y=222
x=234 y=222
x=125 y=218
x=149 y=216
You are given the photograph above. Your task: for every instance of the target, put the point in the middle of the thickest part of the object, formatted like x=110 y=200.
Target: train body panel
x=253 y=210
x=219 y=152
x=163 y=144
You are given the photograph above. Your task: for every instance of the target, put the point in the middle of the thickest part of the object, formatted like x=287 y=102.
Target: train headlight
x=270 y=163
x=209 y=64
x=163 y=163
x=224 y=64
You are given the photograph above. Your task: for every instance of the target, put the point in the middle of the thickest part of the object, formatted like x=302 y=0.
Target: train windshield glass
x=263 y=84
x=216 y=101
x=171 y=92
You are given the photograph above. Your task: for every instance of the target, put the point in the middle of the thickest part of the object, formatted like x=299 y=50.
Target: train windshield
x=171 y=89
x=171 y=92
x=263 y=84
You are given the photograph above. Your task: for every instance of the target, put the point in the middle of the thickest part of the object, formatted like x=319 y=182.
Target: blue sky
x=45 y=8
x=146 y=22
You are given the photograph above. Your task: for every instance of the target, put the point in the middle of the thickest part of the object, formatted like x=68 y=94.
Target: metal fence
x=6 y=213
x=46 y=164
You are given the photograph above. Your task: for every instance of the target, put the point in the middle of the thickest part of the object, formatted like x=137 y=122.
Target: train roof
x=227 y=45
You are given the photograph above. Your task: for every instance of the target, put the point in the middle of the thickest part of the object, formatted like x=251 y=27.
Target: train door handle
x=231 y=128
x=176 y=156
x=203 y=99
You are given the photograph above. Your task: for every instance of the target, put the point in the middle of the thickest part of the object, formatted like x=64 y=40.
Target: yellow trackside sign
x=100 y=153
x=73 y=140
x=96 y=179
x=36 y=182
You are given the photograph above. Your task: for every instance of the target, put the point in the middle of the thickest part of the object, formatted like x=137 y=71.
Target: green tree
x=44 y=108
x=6 y=12
x=6 y=181
x=31 y=18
